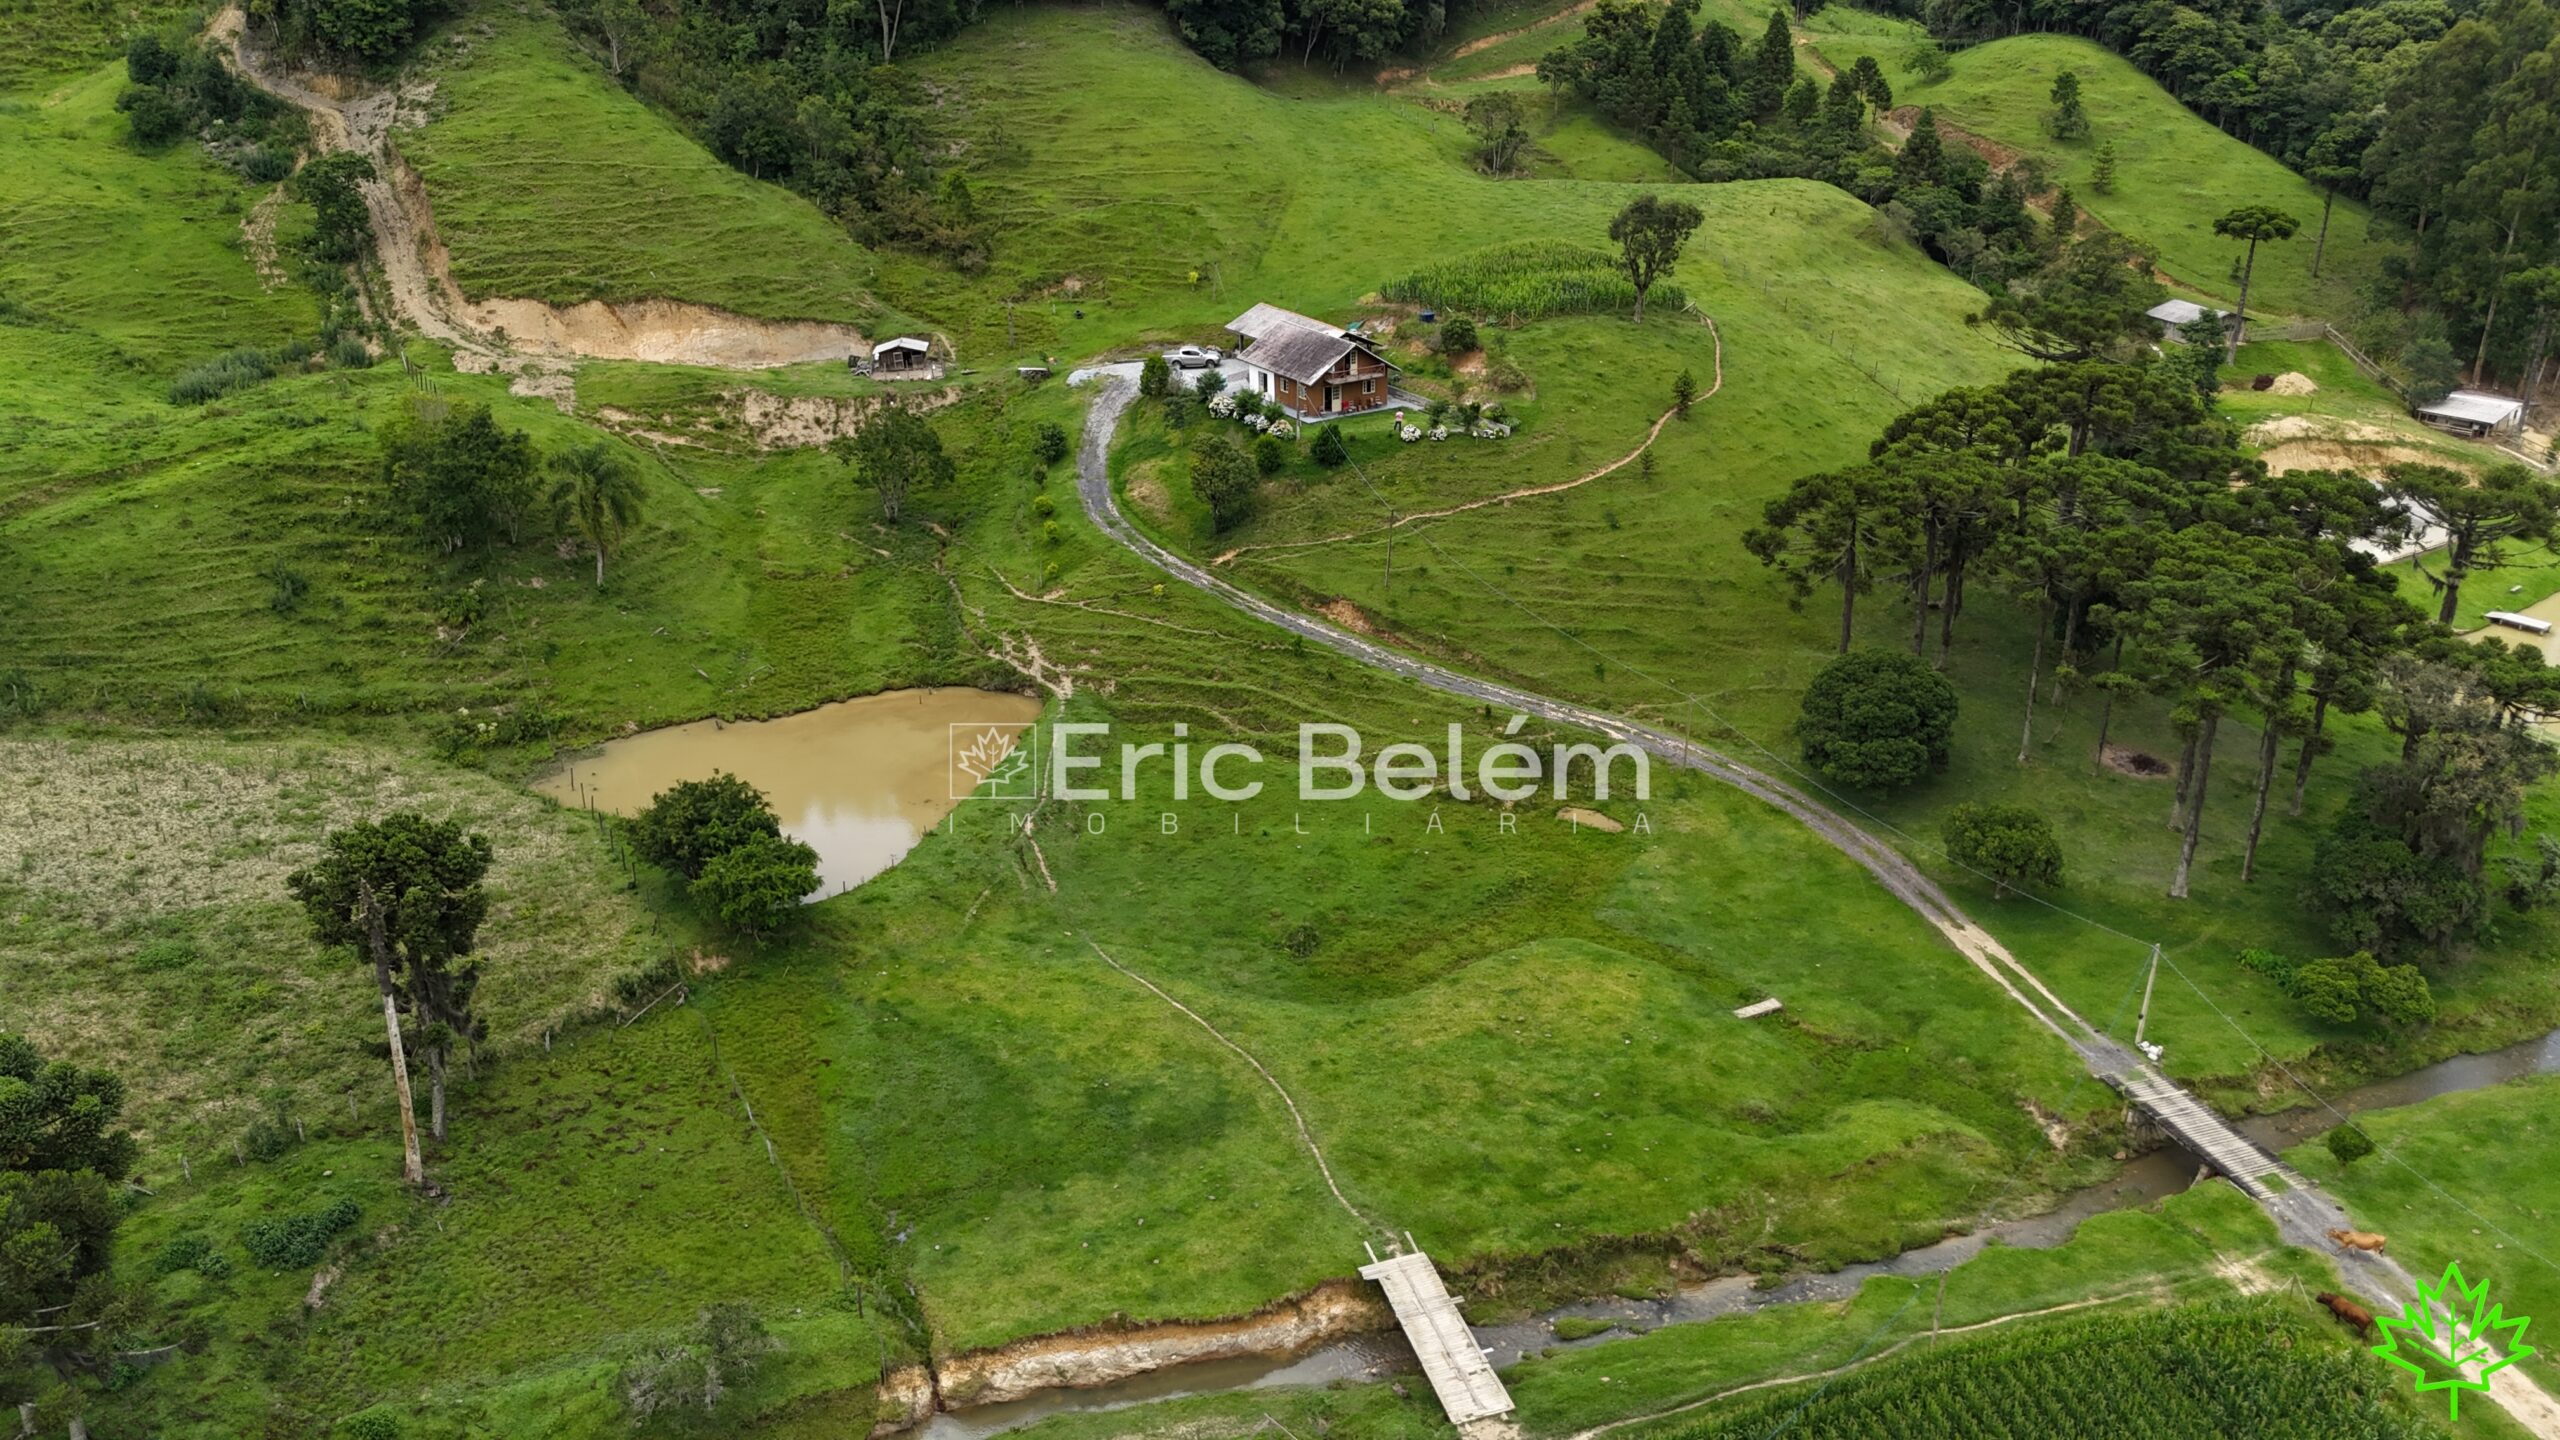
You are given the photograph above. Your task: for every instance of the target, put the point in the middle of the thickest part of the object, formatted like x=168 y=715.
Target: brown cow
x=2349 y=1311
x=2358 y=1240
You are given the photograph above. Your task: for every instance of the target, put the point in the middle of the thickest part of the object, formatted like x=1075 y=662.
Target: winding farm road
x=2302 y=1211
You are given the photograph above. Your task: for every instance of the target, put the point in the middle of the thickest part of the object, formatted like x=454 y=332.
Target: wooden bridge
x=2194 y=1125
x=1451 y=1360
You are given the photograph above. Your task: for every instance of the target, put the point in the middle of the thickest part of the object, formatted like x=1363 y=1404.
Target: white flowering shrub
x=1283 y=429
x=1258 y=422
x=1223 y=405
x=1439 y=432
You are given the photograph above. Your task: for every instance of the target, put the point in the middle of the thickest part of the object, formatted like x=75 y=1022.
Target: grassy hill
x=78 y=204
x=552 y=182
x=2493 y=1151
x=1513 y=1039
x=2174 y=172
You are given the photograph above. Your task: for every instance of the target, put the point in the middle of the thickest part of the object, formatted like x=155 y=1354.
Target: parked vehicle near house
x=1193 y=357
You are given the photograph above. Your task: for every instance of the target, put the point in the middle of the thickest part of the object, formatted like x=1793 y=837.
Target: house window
x=1369 y=387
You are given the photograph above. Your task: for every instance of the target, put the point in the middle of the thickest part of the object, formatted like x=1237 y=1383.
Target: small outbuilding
x=2475 y=413
x=2174 y=316
x=908 y=357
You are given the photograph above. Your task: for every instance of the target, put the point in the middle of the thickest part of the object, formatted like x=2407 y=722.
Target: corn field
x=2251 y=1368
x=1527 y=279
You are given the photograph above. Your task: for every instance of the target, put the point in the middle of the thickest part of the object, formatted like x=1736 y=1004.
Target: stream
x=2144 y=1180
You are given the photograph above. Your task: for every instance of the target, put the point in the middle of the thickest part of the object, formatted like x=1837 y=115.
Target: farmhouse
x=2175 y=316
x=2469 y=412
x=908 y=357
x=1310 y=367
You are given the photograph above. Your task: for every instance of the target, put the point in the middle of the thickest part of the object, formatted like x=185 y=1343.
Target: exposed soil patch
x=419 y=274
x=2140 y=764
x=1099 y=1355
x=258 y=237
x=799 y=422
x=1593 y=819
x=1347 y=615
x=2293 y=382
x=2311 y=442
x=1897 y=124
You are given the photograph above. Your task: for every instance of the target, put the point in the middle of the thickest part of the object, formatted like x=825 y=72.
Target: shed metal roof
x=2174 y=313
x=2472 y=407
x=917 y=343
x=1261 y=320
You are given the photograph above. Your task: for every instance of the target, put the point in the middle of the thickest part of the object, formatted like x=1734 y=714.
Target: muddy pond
x=2146 y=1179
x=859 y=781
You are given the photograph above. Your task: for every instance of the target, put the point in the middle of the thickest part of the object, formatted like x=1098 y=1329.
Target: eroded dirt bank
x=1101 y=1354
x=419 y=274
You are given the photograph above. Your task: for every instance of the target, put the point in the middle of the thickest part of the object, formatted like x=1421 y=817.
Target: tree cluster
x=808 y=94
x=721 y=837
x=1723 y=108
x=2156 y=558
x=1236 y=33
x=2441 y=115
x=368 y=32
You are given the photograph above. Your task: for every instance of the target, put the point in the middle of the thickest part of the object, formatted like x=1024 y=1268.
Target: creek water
x=859 y=781
x=2141 y=1181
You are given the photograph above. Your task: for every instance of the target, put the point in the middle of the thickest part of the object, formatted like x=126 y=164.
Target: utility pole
x=2142 y=1017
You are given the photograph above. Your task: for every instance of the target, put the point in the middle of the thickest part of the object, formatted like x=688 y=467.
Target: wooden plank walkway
x=2197 y=1127
x=1451 y=1359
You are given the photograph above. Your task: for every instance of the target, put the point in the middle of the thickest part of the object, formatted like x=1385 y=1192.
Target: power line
x=1815 y=783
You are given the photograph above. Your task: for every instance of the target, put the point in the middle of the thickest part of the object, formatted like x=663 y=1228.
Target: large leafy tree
x=404 y=894
x=2013 y=846
x=1877 y=720
x=1224 y=478
x=463 y=478
x=1651 y=232
x=60 y=1154
x=692 y=822
x=896 y=453
x=2480 y=521
x=2253 y=225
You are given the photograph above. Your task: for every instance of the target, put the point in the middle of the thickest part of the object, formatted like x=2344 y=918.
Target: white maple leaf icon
x=991 y=754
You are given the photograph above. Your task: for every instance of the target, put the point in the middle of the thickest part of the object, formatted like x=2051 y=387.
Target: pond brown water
x=860 y=781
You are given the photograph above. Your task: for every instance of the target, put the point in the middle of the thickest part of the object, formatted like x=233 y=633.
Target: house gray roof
x=2474 y=408
x=1261 y=320
x=1297 y=353
x=2176 y=313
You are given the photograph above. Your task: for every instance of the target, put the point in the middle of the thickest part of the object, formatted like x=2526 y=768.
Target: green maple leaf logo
x=2454 y=1325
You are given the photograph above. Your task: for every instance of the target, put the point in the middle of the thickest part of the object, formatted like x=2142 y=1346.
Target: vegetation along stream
x=2143 y=1181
